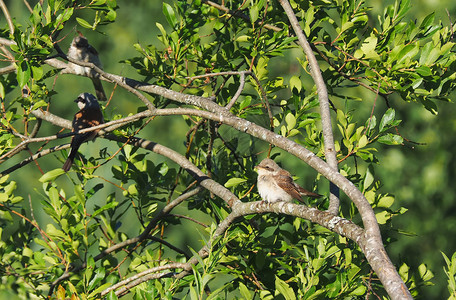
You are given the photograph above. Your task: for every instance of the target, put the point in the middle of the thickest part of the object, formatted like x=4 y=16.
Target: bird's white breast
x=270 y=191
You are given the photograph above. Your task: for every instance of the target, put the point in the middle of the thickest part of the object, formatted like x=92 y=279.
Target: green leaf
x=244 y=291
x=282 y=288
x=23 y=73
x=99 y=275
x=98 y=290
x=362 y=141
x=54 y=197
x=163 y=32
x=347 y=25
x=387 y=118
x=404 y=272
x=293 y=132
x=404 y=6
x=111 y=295
x=341 y=118
x=424 y=71
x=234 y=182
x=429 y=54
x=408 y=52
x=51 y=175
x=3 y=197
x=368 y=179
x=368 y=48
x=103 y=208
x=386 y=201
x=425 y=273
x=84 y=23
x=391 y=139
x=254 y=13
x=382 y=217
x=37 y=72
x=170 y=15
x=317 y=263
x=428 y=20
x=295 y=82
x=359 y=291
x=10 y=187
x=290 y=120
x=2 y=91
x=193 y=294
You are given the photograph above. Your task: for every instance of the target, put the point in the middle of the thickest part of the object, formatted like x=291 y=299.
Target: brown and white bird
x=276 y=184
x=81 y=50
x=88 y=116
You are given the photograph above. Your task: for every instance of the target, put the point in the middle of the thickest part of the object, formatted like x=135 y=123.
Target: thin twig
x=28 y=6
x=141 y=277
x=7 y=16
x=238 y=92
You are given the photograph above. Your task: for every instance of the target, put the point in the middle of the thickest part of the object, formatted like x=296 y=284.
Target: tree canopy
x=164 y=203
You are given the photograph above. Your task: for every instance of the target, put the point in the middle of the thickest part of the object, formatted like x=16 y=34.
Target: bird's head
x=267 y=166
x=87 y=100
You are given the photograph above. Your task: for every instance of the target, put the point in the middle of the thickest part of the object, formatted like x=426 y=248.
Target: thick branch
x=330 y=152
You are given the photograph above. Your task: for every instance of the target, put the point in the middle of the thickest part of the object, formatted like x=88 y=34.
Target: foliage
x=260 y=256
x=451 y=274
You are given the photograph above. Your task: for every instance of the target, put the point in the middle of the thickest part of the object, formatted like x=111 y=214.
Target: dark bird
x=81 y=50
x=276 y=184
x=88 y=116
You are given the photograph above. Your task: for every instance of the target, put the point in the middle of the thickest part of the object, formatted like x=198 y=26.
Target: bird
x=276 y=184
x=81 y=50
x=88 y=116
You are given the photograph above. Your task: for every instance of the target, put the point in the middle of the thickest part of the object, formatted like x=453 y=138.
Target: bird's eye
x=80 y=99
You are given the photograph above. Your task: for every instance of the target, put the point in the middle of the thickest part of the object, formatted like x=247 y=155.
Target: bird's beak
x=258 y=167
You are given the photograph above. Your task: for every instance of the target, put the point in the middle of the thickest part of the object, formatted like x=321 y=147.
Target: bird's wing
x=306 y=192
x=284 y=180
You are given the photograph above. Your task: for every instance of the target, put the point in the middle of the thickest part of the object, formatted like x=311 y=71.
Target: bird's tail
x=69 y=162
x=99 y=91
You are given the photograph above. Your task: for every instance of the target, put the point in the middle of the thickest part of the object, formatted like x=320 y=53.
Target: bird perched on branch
x=81 y=50
x=276 y=184
x=88 y=116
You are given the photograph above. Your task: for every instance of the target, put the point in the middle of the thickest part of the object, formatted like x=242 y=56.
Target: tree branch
x=141 y=277
x=330 y=151
x=7 y=16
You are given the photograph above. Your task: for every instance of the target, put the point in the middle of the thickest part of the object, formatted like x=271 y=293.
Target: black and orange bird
x=88 y=116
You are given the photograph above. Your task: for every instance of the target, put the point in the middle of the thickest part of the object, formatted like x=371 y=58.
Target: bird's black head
x=80 y=42
x=85 y=100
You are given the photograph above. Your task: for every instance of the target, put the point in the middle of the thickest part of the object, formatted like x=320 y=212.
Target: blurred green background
x=422 y=177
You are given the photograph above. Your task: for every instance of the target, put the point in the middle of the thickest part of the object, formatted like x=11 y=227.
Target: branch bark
x=325 y=113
